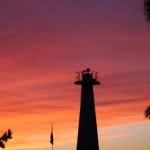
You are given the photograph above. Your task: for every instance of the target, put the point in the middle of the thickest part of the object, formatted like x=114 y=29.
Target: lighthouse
x=87 y=131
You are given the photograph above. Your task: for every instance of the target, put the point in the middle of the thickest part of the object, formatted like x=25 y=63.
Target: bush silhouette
x=5 y=137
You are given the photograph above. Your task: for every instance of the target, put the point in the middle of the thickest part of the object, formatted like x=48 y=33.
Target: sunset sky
x=44 y=42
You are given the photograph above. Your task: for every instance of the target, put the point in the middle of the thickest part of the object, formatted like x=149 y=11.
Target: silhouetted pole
x=52 y=137
x=87 y=132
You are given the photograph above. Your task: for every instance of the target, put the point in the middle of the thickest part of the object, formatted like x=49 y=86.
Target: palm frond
x=147 y=112
x=147 y=9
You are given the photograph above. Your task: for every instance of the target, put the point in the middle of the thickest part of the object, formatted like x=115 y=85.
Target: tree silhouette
x=5 y=137
x=147 y=14
x=147 y=112
x=147 y=9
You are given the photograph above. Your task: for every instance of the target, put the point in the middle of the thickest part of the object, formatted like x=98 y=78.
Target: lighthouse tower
x=87 y=132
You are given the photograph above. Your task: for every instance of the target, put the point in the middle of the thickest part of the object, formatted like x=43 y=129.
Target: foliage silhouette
x=147 y=9
x=147 y=14
x=5 y=137
x=147 y=112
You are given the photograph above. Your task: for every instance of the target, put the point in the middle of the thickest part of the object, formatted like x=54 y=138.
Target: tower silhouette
x=87 y=132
